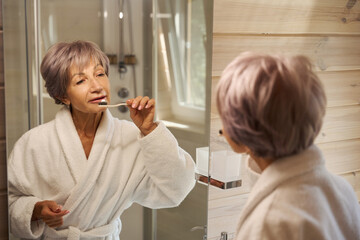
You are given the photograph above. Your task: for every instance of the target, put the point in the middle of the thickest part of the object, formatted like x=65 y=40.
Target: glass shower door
x=180 y=28
x=181 y=86
x=16 y=74
x=63 y=20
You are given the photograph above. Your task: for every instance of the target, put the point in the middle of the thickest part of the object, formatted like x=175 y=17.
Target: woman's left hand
x=142 y=112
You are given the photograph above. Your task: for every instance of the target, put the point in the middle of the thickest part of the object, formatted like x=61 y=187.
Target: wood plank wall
x=3 y=178
x=328 y=32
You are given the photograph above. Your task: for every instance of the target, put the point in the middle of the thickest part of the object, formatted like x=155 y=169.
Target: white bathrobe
x=297 y=198
x=49 y=163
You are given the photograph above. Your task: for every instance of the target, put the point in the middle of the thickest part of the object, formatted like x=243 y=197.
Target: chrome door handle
x=200 y=228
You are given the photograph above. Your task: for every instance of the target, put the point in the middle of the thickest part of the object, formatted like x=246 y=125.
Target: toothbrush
x=104 y=104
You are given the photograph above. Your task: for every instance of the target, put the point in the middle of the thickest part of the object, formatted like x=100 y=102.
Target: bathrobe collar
x=278 y=172
x=84 y=171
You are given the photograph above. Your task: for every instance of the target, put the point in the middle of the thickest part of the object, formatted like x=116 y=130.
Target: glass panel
x=196 y=88
x=67 y=20
x=182 y=64
x=182 y=87
x=16 y=90
x=182 y=35
x=15 y=72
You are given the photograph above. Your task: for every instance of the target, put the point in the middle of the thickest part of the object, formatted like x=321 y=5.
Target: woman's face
x=87 y=87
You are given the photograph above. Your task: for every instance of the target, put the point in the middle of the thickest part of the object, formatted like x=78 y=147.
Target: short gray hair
x=58 y=60
x=272 y=104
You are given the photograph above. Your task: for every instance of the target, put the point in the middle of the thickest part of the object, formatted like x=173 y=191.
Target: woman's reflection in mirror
x=272 y=108
x=73 y=177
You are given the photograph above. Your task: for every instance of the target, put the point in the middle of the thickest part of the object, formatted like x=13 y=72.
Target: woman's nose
x=96 y=86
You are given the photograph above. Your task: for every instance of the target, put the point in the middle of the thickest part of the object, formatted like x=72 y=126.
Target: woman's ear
x=240 y=148
x=64 y=100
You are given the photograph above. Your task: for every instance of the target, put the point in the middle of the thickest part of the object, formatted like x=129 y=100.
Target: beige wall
x=3 y=181
x=327 y=31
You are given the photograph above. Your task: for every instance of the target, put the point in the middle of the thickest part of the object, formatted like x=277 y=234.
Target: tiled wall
x=3 y=182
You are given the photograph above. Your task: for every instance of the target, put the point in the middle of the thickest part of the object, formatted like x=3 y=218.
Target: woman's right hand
x=50 y=212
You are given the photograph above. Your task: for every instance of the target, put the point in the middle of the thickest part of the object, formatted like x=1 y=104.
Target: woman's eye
x=80 y=82
x=101 y=74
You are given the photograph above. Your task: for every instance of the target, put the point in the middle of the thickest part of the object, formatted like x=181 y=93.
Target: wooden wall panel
x=342 y=157
x=223 y=206
x=3 y=168
x=223 y=224
x=4 y=217
x=214 y=82
x=1 y=58
x=1 y=16
x=295 y=16
x=327 y=53
x=2 y=113
x=340 y=123
x=342 y=88
x=224 y=213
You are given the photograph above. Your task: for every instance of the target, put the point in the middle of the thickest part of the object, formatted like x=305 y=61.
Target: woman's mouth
x=98 y=99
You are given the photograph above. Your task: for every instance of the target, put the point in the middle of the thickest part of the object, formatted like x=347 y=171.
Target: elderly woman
x=272 y=108
x=73 y=177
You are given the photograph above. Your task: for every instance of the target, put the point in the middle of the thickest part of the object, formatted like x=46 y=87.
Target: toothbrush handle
x=114 y=105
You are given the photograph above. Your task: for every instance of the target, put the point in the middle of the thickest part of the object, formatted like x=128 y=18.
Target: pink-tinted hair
x=60 y=57
x=272 y=104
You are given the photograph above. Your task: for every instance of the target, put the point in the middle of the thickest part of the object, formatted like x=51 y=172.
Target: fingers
x=134 y=102
x=142 y=113
x=52 y=210
x=54 y=222
x=150 y=103
x=52 y=213
x=54 y=207
x=55 y=219
x=140 y=102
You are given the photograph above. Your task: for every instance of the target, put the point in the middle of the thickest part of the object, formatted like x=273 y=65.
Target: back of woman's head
x=272 y=104
x=60 y=57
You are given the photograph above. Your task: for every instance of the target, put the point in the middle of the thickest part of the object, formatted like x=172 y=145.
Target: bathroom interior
x=150 y=46
x=174 y=51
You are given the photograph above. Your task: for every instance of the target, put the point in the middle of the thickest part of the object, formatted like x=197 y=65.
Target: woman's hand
x=142 y=112
x=50 y=212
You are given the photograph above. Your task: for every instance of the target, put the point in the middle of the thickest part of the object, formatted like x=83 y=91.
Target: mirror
x=158 y=48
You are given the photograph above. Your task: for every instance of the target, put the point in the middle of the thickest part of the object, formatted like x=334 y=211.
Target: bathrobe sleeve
x=169 y=170
x=21 y=200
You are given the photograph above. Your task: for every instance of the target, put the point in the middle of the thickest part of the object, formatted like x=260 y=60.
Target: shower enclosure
x=158 y=48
